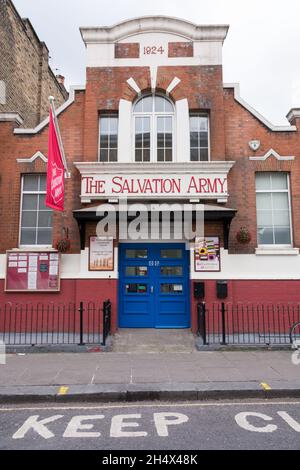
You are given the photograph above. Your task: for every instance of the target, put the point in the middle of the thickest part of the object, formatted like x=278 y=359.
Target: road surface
x=256 y=424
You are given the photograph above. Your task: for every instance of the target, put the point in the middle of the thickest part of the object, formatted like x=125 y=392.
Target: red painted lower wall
x=72 y=292
x=98 y=290
x=254 y=292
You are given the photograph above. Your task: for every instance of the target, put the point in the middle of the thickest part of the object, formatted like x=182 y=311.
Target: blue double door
x=154 y=286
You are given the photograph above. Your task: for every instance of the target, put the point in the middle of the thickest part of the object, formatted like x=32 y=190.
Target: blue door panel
x=154 y=286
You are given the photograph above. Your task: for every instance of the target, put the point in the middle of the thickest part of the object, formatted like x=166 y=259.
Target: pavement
x=161 y=375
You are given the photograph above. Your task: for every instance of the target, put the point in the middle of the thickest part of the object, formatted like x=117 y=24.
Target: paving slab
x=105 y=376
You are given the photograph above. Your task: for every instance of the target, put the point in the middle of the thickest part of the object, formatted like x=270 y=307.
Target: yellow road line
x=265 y=386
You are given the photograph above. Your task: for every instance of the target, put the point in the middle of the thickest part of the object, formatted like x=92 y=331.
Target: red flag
x=55 y=170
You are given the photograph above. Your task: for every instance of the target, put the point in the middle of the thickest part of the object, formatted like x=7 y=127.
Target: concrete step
x=153 y=341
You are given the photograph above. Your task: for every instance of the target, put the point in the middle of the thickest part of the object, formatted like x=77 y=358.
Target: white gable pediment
x=272 y=153
x=33 y=158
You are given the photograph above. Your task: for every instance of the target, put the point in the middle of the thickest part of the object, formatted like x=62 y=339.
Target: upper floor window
x=153 y=125
x=199 y=137
x=108 y=138
x=36 y=217
x=273 y=209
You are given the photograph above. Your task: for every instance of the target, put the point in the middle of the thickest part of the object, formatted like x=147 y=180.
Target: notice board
x=207 y=254
x=32 y=271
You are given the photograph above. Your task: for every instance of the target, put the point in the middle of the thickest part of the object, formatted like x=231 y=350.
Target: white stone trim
x=182 y=131
x=150 y=24
x=252 y=267
x=45 y=122
x=33 y=158
x=132 y=83
x=277 y=251
x=124 y=132
x=233 y=267
x=294 y=113
x=271 y=153
x=14 y=117
x=215 y=166
x=173 y=85
x=153 y=76
x=255 y=113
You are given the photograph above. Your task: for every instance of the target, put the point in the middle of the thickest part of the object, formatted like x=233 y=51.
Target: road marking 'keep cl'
x=249 y=421
x=83 y=426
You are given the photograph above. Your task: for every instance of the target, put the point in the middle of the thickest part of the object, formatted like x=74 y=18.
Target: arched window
x=153 y=129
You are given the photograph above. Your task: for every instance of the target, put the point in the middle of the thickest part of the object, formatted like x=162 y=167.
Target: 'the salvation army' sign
x=154 y=186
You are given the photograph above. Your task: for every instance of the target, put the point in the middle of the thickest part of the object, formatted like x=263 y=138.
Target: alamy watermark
x=2 y=353
x=296 y=354
x=151 y=222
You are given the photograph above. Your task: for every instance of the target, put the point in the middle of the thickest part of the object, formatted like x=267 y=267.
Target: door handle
x=152 y=289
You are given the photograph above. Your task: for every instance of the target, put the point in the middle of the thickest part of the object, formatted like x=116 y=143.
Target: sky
x=261 y=52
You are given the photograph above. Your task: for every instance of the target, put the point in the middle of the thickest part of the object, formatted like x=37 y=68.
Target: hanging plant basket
x=243 y=236
x=63 y=244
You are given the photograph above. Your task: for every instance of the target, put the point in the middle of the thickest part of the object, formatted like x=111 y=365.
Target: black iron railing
x=55 y=323
x=224 y=323
x=106 y=320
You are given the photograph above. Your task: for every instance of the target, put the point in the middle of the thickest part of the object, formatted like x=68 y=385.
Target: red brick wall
x=231 y=128
x=22 y=146
x=241 y=127
x=24 y=67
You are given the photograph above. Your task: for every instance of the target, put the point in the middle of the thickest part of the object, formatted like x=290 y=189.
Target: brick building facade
x=26 y=80
x=156 y=123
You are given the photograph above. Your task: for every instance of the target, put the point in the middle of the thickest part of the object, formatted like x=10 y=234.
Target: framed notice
x=101 y=254
x=32 y=271
x=207 y=254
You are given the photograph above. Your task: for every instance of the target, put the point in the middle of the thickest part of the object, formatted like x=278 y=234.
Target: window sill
x=277 y=251
x=34 y=248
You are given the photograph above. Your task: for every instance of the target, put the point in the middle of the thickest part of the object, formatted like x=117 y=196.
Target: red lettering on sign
x=117 y=181
x=95 y=187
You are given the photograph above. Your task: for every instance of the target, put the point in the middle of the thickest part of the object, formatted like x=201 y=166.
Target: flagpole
x=67 y=173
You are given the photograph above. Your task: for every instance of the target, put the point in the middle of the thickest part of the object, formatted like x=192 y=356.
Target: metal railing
x=249 y=324
x=55 y=323
x=106 y=320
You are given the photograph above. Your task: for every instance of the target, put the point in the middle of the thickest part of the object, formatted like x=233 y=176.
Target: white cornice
x=255 y=113
x=293 y=114
x=59 y=110
x=33 y=158
x=271 y=153
x=150 y=24
x=218 y=166
x=13 y=117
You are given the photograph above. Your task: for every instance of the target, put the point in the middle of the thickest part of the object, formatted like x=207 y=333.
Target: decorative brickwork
x=129 y=50
x=181 y=49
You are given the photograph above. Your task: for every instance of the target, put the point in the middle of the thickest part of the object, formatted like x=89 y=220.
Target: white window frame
x=50 y=246
x=153 y=128
x=195 y=114
x=99 y=136
x=262 y=191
